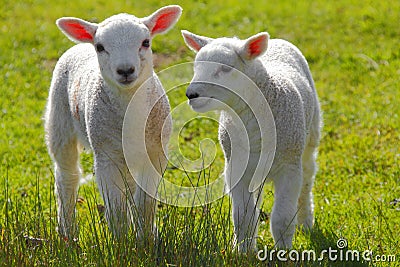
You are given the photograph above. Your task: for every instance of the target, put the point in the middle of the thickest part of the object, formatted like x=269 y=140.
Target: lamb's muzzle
x=191 y=95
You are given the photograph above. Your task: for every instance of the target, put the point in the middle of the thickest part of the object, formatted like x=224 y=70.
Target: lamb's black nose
x=126 y=71
x=192 y=95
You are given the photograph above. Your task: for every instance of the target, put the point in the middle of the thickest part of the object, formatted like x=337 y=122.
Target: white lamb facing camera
x=92 y=85
x=281 y=74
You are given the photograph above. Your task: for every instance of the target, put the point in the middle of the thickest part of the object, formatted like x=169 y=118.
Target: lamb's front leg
x=287 y=183
x=245 y=217
x=244 y=210
x=145 y=205
x=148 y=177
x=113 y=180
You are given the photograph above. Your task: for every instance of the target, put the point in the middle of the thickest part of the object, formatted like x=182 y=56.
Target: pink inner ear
x=192 y=43
x=163 y=22
x=78 y=31
x=255 y=47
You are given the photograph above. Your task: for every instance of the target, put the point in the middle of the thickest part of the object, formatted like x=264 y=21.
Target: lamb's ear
x=163 y=19
x=78 y=30
x=195 y=42
x=255 y=46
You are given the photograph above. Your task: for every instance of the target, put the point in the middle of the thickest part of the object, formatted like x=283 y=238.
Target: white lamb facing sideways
x=92 y=85
x=222 y=70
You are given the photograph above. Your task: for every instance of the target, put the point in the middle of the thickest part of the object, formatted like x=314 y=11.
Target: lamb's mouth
x=126 y=81
x=199 y=102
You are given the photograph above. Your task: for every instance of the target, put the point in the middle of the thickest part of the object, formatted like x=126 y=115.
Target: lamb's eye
x=146 y=43
x=99 y=48
x=226 y=68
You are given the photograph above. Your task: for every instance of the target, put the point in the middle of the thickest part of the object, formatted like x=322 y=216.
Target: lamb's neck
x=122 y=97
x=257 y=70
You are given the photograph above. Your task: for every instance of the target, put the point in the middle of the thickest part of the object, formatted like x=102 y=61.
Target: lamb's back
x=288 y=86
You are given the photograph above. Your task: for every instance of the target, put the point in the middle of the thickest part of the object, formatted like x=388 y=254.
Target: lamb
x=240 y=78
x=91 y=87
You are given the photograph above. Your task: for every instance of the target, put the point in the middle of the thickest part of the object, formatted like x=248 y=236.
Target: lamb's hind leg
x=67 y=173
x=306 y=206
x=62 y=144
x=63 y=148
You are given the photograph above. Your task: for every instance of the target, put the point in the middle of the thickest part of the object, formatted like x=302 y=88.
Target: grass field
x=354 y=54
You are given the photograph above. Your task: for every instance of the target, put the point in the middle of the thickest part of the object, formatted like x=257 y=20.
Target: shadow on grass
x=332 y=250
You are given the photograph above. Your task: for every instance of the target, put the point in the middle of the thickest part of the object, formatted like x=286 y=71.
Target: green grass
x=354 y=54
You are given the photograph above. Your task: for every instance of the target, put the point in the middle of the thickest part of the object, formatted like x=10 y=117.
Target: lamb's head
x=122 y=42
x=220 y=69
